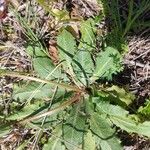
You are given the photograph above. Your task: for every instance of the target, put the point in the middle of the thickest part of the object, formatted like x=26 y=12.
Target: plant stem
x=75 y=98
x=26 y=77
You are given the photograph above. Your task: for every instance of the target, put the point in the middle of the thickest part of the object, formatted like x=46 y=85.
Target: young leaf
x=100 y=127
x=107 y=64
x=115 y=94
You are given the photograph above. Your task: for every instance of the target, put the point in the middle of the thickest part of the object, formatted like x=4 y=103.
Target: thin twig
x=134 y=63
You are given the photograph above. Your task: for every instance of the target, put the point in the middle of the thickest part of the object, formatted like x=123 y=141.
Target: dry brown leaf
x=53 y=51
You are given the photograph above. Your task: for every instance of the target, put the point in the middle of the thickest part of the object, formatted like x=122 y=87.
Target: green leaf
x=89 y=141
x=67 y=47
x=100 y=127
x=85 y=66
x=121 y=94
x=115 y=94
x=73 y=138
x=88 y=38
x=107 y=145
x=125 y=123
x=107 y=64
x=35 y=50
x=117 y=115
x=121 y=118
x=74 y=128
x=4 y=129
x=110 y=144
x=83 y=55
x=146 y=109
x=54 y=141
x=89 y=106
x=130 y=125
x=144 y=128
x=104 y=107
x=25 y=111
x=44 y=67
x=85 y=60
x=33 y=90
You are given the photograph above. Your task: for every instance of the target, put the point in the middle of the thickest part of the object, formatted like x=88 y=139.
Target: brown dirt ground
x=137 y=63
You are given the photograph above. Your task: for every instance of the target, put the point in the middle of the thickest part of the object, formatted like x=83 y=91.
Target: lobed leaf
x=145 y=110
x=107 y=64
x=121 y=94
x=121 y=118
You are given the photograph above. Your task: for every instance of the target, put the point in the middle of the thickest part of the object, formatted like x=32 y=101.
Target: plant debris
x=37 y=37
